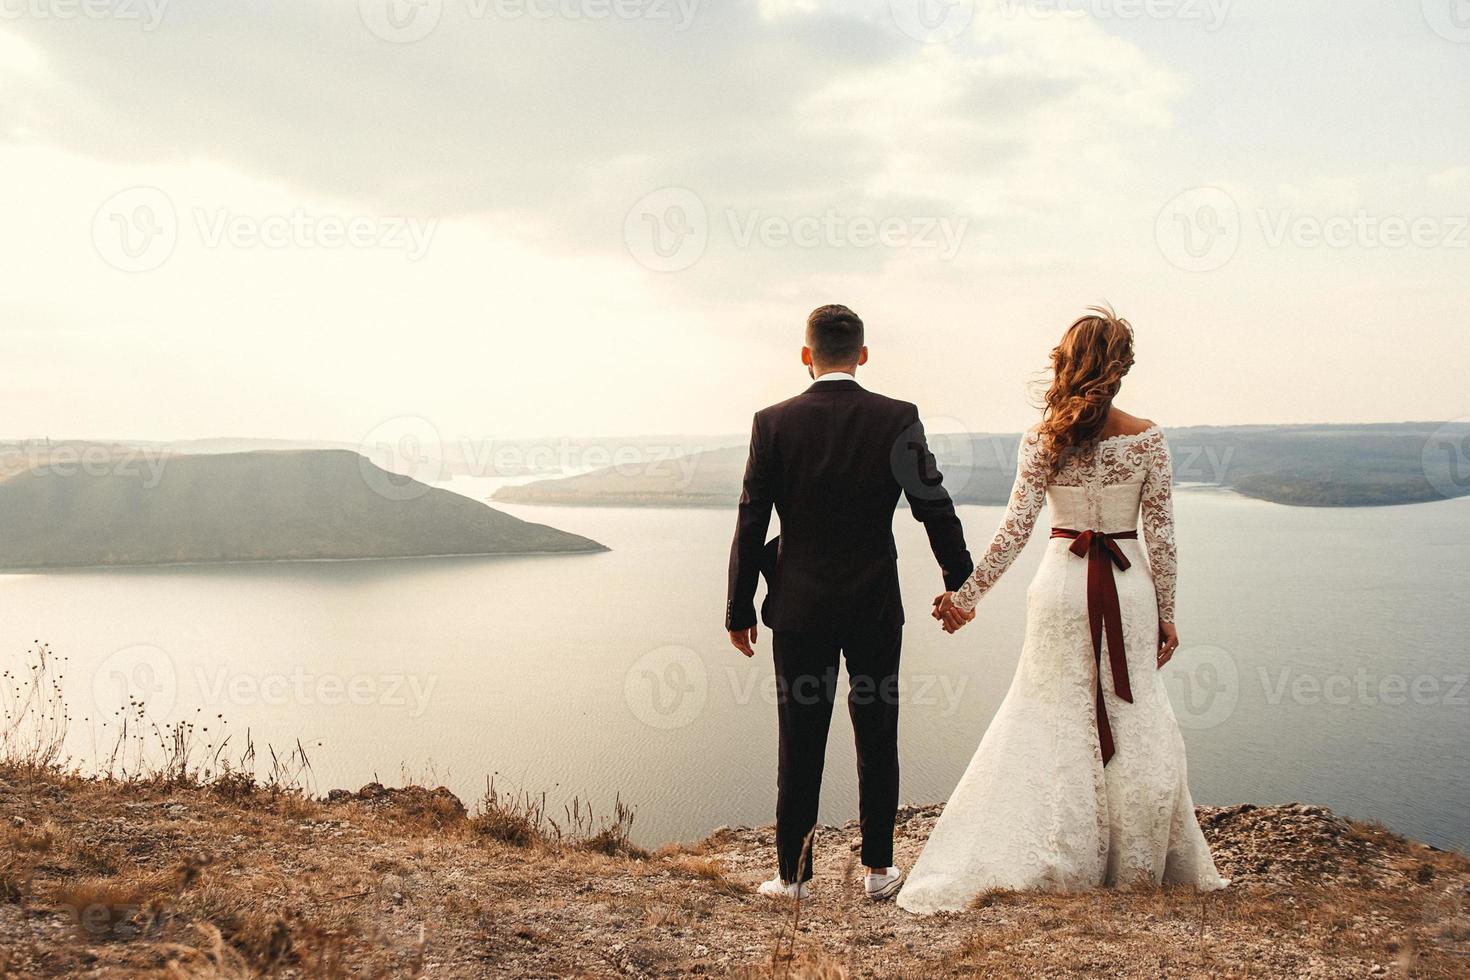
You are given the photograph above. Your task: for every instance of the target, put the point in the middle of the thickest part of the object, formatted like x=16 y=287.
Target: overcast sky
x=305 y=218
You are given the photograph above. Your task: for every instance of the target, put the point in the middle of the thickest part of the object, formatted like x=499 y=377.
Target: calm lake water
x=1324 y=659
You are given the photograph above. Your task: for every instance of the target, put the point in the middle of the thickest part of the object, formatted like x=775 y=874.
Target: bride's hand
x=950 y=617
x=1168 y=642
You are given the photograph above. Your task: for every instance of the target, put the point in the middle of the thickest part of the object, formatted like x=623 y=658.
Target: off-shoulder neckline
x=1033 y=435
x=1153 y=427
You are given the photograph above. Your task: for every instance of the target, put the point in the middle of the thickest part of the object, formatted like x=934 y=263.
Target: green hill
x=1304 y=465
x=256 y=506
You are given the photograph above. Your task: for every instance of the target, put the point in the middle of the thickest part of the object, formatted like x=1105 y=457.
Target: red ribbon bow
x=1103 y=615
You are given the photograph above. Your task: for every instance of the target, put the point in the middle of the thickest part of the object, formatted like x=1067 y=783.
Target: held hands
x=1168 y=643
x=744 y=640
x=951 y=617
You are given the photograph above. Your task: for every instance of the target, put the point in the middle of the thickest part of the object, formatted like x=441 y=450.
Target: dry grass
x=382 y=884
x=807 y=966
x=517 y=819
x=711 y=870
x=25 y=844
x=611 y=835
x=1321 y=924
x=34 y=720
x=112 y=908
x=201 y=864
x=16 y=876
x=522 y=819
x=35 y=724
x=204 y=885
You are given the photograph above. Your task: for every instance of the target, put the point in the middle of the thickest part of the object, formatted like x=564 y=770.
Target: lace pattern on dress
x=1143 y=457
x=1028 y=494
x=1037 y=808
x=1157 y=508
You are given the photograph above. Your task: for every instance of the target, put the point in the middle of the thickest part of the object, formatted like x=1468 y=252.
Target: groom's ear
x=863 y=356
x=806 y=356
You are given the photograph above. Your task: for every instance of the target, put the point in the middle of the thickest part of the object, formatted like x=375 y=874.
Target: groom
x=833 y=462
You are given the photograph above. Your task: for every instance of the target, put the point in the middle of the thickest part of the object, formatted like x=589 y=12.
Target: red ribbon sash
x=1103 y=615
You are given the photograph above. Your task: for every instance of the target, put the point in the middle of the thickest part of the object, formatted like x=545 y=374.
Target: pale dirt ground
x=102 y=879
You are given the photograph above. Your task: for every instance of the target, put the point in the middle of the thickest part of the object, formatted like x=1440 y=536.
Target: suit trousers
x=806 y=688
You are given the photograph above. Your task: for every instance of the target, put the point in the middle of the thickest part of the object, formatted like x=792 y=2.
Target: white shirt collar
x=837 y=376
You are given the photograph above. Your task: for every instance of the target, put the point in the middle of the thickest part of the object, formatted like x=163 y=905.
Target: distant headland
x=1298 y=465
x=300 y=505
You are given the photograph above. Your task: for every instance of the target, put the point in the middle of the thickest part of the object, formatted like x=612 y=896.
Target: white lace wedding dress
x=1038 y=808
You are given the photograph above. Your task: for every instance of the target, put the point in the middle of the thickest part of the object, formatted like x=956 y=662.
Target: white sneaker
x=776 y=888
x=885 y=885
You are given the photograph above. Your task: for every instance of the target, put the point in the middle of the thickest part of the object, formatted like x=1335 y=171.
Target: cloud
x=557 y=126
x=971 y=194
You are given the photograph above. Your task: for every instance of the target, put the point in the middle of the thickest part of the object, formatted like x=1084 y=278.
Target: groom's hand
x=744 y=640
x=952 y=618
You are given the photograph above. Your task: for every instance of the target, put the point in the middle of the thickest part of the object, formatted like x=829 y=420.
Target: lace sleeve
x=1158 y=526
x=1027 y=497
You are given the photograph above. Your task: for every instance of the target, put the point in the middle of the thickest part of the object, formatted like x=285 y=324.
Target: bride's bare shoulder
x=1121 y=423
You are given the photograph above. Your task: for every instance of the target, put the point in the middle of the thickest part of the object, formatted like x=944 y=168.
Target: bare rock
x=439 y=806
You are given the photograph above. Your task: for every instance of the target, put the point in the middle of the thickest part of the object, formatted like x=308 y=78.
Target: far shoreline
x=122 y=566
x=617 y=501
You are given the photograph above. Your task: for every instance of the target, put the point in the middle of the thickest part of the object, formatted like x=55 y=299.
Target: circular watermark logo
x=1446 y=458
x=668 y=230
x=140 y=678
x=1450 y=19
x=136 y=230
x=667 y=688
x=402 y=458
x=1199 y=230
x=947 y=468
x=401 y=21
x=1204 y=686
x=932 y=21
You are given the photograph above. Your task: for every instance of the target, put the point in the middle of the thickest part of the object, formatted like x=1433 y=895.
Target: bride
x=1080 y=780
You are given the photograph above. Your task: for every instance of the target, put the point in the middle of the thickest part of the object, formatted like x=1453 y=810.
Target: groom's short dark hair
x=835 y=335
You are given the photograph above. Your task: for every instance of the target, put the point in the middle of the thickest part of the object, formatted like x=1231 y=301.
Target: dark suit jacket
x=833 y=461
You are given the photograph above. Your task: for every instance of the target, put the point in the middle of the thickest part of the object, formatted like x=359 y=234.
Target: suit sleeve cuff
x=740 y=619
x=953 y=580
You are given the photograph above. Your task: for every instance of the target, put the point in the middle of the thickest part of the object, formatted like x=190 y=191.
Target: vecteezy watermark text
x=679 y=14
x=411 y=446
x=669 y=687
x=43 y=457
x=304 y=688
x=1201 y=464
x=1211 y=14
x=1201 y=229
x=670 y=229
x=833 y=229
x=138 y=229
x=1362 y=229
x=1363 y=687
x=148 y=14
x=299 y=228
x=407 y=21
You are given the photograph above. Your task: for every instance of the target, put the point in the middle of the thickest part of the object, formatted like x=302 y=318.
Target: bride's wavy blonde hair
x=1087 y=369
